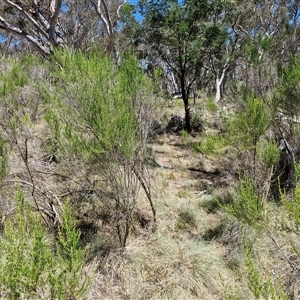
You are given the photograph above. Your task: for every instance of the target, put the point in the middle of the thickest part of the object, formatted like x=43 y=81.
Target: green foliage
x=269 y=154
x=14 y=78
x=211 y=144
x=256 y=52
x=211 y=106
x=261 y=285
x=289 y=91
x=183 y=36
x=215 y=38
x=53 y=120
x=16 y=75
x=101 y=102
x=129 y=22
x=18 y=100
x=250 y=124
x=185 y=137
x=32 y=265
x=101 y=115
x=101 y=112
x=67 y=279
x=248 y=206
x=247 y=126
x=253 y=272
x=292 y=205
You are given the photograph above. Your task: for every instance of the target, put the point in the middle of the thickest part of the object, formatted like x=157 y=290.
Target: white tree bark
x=219 y=81
x=40 y=32
x=102 y=10
x=17 y=31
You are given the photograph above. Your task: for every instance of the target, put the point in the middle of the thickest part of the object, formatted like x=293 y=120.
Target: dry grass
x=196 y=251
x=165 y=267
x=180 y=260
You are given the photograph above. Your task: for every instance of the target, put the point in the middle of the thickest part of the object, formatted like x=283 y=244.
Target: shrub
x=247 y=126
x=102 y=117
x=292 y=204
x=248 y=206
x=14 y=77
x=34 y=265
x=269 y=154
x=288 y=94
x=211 y=106
x=260 y=281
x=211 y=144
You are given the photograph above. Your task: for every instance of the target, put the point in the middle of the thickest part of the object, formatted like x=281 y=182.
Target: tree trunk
x=172 y=82
x=185 y=91
x=219 y=81
x=55 y=8
x=110 y=26
x=188 y=126
x=218 y=90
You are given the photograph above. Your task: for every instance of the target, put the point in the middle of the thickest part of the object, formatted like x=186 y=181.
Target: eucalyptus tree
x=80 y=24
x=48 y=24
x=129 y=26
x=93 y=22
x=221 y=44
x=268 y=34
x=35 y=21
x=109 y=13
x=179 y=35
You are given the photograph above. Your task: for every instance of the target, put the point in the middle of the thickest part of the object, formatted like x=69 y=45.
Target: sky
x=134 y=2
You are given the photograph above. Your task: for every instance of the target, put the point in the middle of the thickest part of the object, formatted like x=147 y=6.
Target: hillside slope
x=218 y=233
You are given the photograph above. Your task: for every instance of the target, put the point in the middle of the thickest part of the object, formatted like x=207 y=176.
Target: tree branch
x=15 y=30
x=52 y=32
x=109 y=25
x=27 y=16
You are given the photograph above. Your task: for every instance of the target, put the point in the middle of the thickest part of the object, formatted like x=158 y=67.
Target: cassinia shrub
x=36 y=265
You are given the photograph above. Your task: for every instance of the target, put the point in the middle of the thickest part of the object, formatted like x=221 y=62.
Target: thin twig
x=280 y=250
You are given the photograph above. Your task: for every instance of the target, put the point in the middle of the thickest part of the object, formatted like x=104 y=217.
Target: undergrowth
x=235 y=244
x=36 y=264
